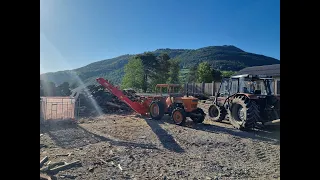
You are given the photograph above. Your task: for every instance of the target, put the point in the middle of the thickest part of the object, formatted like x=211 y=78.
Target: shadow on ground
x=71 y=135
x=269 y=134
x=164 y=137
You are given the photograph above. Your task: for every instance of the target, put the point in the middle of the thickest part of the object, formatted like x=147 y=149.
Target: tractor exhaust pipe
x=217 y=94
x=187 y=89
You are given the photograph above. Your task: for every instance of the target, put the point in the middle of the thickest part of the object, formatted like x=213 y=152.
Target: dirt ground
x=130 y=147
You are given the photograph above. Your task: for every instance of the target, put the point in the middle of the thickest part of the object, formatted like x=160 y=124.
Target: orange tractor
x=170 y=102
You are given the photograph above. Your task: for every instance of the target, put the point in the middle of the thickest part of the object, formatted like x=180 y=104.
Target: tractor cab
x=246 y=84
x=173 y=94
x=168 y=89
x=177 y=105
x=257 y=85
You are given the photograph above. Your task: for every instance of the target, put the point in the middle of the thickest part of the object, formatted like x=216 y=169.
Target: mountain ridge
x=226 y=57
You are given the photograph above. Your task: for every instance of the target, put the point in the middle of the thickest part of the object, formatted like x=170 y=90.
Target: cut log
x=45 y=159
x=44 y=177
x=44 y=169
x=52 y=165
x=64 y=167
x=274 y=122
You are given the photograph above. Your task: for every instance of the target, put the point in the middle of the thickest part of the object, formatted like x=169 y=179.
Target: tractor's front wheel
x=156 y=110
x=200 y=116
x=217 y=113
x=179 y=116
x=244 y=113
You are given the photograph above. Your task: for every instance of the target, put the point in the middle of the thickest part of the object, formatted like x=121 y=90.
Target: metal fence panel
x=58 y=108
x=202 y=88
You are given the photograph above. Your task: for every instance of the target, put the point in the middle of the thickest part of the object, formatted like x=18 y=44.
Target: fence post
x=193 y=88
x=202 y=88
x=196 y=89
x=212 y=89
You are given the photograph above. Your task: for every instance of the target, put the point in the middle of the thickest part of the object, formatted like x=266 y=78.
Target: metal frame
x=59 y=108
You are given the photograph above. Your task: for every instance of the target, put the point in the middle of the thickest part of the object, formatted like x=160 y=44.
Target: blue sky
x=74 y=33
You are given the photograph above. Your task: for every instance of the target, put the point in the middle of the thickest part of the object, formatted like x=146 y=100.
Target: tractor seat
x=172 y=99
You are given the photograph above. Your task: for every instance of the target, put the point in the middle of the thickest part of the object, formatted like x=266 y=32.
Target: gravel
x=129 y=147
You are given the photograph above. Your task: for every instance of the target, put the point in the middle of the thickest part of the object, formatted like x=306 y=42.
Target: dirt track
x=149 y=149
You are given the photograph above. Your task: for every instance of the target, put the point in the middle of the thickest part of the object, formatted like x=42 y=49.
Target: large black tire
x=217 y=113
x=198 y=119
x=178 y=115
x=156 y=110
x=244 y=113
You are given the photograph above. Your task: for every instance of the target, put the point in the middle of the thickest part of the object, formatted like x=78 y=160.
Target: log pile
x=107 y=102
x=131 y=94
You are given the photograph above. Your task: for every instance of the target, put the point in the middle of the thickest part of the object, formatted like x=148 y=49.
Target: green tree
x=163 y=70
x=64 y=89
x=74 y=85
x=216 y=75
x=227 y=74
x=134 y=74
x=204 y=73
x=192 y=75
x=174 y=70
x=150 y=67
x=47 y=88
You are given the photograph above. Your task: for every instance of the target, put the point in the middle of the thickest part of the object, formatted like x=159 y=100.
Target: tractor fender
x=250 y=96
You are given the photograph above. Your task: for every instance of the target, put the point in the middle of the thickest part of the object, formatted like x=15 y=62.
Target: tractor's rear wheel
x=179 y=116
x=244 y=113
x=217 y=113
x=200 y=116
x=156 y=110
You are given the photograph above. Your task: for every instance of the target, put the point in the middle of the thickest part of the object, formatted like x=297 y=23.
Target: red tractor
x=247 y=100
x=171 y=102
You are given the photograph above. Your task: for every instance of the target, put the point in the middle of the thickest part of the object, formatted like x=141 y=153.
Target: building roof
x=268 y=70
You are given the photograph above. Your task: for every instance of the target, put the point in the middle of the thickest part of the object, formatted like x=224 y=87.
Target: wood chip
x=104 y=161
x=119 y=167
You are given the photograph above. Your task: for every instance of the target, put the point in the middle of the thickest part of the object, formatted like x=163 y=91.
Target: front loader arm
x=136 y=106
